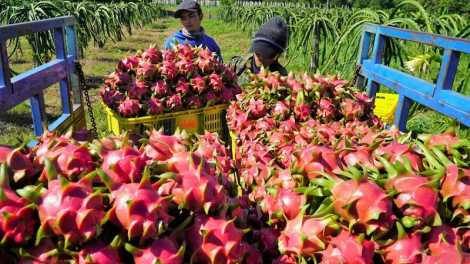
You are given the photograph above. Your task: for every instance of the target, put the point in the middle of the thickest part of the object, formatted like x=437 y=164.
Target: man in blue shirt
x=190 y=14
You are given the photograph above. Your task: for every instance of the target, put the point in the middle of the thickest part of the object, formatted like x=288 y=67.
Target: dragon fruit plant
x=153 y=82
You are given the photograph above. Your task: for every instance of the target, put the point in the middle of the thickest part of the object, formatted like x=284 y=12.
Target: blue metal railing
x=31 y=84
x=439 y=96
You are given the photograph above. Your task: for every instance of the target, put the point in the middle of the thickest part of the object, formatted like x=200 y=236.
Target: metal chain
x=356 y=74
x=83 y=85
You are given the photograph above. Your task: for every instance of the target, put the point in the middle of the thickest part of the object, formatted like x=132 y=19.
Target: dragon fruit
x=366 y=102
x=406 y=249
x=282 y=204
x=154 y=106
x=302 y=111
x=153 y=55
x=185 y=67
x=160 y=88
x=118 y=79
x=124 y=165
x=168 y=70
x=182 y=87
x=137 y=207
x=267 y=239
x=225 y=95
x=137 y=89
x=215 y=240
x=209 y=98
x=98 y=252
x=360 y=202
x=417 y=199
x=45 y=252
x=193 y=101
x=169 y=55
x=326 y=109
x=351 y=109
x=111 y=97
x=205 y=62
x=440 y=238
x=16 y=218
x=398 y=152
x=306 y=235
x=198 y=83
x=215 y=82
x=128 y=63
x=160 y=147
x=129 y=108
x=257 y=108
x=69 y=209
x=348 y=248
x=146 y=71
x=314 y=158
x=18 y=164
x=174 y=103
x=162 y=250
x=281 y=110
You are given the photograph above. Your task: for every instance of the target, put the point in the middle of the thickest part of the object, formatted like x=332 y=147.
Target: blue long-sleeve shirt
x=206 y=41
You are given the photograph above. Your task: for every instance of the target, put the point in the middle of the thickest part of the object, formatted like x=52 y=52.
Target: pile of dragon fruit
x=161 y=81
x=154 y=198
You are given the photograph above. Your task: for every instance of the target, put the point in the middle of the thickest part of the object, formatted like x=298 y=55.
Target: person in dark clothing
x=269 y=43
x=190 y=14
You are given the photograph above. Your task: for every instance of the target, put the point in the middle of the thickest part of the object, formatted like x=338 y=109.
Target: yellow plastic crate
x=385 y=107
x=211 y=119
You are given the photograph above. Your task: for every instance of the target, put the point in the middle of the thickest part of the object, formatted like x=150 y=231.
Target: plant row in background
x=154 y=81
x=97 y=22
x=331 y=37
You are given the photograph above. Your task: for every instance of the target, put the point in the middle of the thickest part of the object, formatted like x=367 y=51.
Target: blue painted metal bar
x=30 y=84
x=439 y=96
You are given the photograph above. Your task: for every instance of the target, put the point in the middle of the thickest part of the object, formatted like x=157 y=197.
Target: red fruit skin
x=162 y=250
x=98 y=252
x=407 y=249
x=287 y=201
x=347 y=248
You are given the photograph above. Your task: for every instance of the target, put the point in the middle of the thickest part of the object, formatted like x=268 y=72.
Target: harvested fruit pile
x=158 y=81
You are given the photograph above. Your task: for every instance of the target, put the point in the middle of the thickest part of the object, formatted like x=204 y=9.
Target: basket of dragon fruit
x=184 y=87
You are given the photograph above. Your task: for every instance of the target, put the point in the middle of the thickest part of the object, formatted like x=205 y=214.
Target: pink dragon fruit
x=153 y=55
x=281 y=110
x=215 y=82
x=16 y=220
x=440 y=238
x=360 y=202
x=174 y=103
x=45 y=252
x=182 y=87
x=169 y=55
x=227 y=74
x=198 y=83
x=72 y=210
x=160 y=147
x=348 y=248
x=193 y=101
x=284 y=259
x=257 y=108
x=19 y=165
x=168 y=70
x=129 y=108
x=306 y=235
x=154 y=106
x=160 y=88
x=98 y=252
x=137 y=207
x=185 y=51
x=225 y=95
x=118 y=79
x=162 y=250
x=406 y=249
x=399 y=152
x=417 y=199
x=267 y=239
x=138 y=89
x=366 y=102
x=130 y=62
x=282 y=204
x=146 y=71
x=215 y=240
x=205 y=62
x=351 y=109
x=124 y=165
x=111 y=97
x=209 y=98
x=197 y=191
x=185 y=67
x=326 y=109
x=314 y=159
